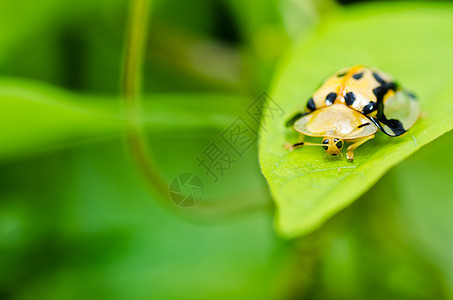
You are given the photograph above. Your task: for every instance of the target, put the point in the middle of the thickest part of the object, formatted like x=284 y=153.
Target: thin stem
x=136 y=140
x=131 y=87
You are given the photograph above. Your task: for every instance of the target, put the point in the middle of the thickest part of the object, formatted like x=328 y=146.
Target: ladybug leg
x=351 y=148
x=294 y=119
x=300 y=143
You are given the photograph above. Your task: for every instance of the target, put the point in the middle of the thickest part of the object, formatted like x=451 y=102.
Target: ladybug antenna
x=306 y=144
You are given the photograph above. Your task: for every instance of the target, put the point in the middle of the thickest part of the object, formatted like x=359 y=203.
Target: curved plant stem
x=131 y=87
x=136 y=140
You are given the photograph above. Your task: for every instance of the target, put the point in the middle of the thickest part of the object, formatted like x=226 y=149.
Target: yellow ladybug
x=351 y=106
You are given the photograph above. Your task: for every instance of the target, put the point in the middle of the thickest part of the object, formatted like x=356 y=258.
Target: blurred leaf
x=263 y=38
x=21 y=21
x=79 y=224
x=190 y=51
x=36 y=117
x=267 y=27
x=395 y=239
x=71 y=40
x=307 y=189
x=301 y=15
x=191 y=57
x=421 y=191
x=370 y=246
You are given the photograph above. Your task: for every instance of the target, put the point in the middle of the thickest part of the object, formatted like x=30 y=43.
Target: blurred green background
x=79 y=221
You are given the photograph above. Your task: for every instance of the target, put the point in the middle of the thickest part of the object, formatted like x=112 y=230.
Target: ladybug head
x=332 y=145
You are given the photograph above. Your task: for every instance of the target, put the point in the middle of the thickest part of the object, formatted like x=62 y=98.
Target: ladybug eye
x=339 y=144
x=326 y=141
x=369 y=108
x=335 y=140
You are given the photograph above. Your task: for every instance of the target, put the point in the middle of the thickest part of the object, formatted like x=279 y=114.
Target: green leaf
x=86 y=214
x=406 y=40
x=393 y=221
x=404 y=217
x=35 y=117
x=427 y=175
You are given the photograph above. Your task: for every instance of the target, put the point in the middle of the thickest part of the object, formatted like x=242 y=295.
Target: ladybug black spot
x=395 y=125
x=378 y=78
x=311 y=104
x=331 y=98
x=357 y=76
x=380 y=93
x=349 y=98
